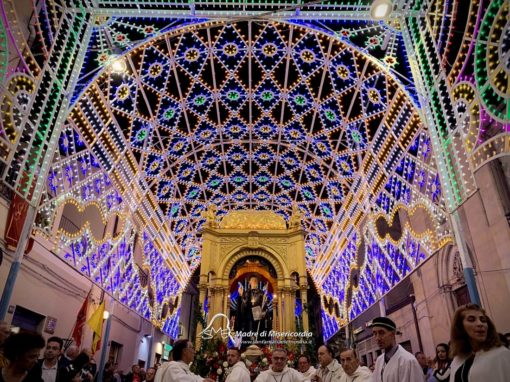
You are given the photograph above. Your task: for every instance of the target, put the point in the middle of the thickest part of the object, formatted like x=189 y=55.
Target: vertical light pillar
x=382 y=307
x=467 y=264
x=74 y=36
x=202 y=287
x=16 y=264
x=431 y=82
x=151 y=344
x=108 y=317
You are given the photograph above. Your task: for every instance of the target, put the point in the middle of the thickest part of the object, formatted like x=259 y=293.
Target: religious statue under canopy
x=252 y=308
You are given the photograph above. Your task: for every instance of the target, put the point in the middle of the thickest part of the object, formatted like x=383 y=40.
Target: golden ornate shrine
x=228 y=250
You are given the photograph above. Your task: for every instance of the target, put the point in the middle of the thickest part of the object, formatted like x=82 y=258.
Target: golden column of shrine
x=250 y=234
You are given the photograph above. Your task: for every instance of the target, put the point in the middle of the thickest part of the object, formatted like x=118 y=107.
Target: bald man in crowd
x=279 y=371
x=330 y=370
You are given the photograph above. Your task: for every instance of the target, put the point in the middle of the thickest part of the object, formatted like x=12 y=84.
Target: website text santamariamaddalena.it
x=272 y=333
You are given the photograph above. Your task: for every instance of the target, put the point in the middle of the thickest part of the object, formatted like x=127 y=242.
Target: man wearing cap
x=395 y=364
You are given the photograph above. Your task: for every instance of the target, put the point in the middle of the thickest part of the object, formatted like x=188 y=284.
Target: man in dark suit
x=47 y=369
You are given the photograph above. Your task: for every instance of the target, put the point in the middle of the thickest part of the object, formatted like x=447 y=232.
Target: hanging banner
x=15 y=220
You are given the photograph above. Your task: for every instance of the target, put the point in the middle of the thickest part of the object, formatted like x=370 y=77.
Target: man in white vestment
x=305 y=366
x=330 y=370
x=353 y=372
x=178 y=370
x=279 y=371
x=396 y=364
x=238 y=370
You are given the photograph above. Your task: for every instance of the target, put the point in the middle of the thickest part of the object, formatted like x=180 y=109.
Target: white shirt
x=286 y=375
x=49 y=374
x=331 y=373
x=309 y=373
x=402 y=367
x=176 y=371
x=239 y=373
x=361 y=374
x=490 y=366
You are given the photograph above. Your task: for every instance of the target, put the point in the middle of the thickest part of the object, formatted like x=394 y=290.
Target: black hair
x=504 y=340
x=57 y=340
x=21 y=343
x=179 y=346
x=68 y=372
x=235 y=349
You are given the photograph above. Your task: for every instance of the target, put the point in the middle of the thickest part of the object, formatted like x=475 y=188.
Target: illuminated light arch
x=356 y=141
x=496 y=147
x=88 y=215
x=467 y=104
x=492 y=60
x=14 y=101
x=99 y=165
x=448 y=21
x=324 y=126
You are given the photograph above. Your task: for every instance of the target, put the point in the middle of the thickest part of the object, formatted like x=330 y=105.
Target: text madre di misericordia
x=272 y=333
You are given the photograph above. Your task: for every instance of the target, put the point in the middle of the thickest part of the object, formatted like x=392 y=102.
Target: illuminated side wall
x=438 y=284
x=49 y=287
x=488 y=237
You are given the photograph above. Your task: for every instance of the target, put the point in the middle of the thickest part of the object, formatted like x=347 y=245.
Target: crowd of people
x=475 y=352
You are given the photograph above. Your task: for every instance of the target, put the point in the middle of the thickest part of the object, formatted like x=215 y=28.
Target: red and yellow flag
x=81 y=318
x=96 y=323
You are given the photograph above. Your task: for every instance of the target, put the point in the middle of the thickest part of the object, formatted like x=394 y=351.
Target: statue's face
x=254 y=283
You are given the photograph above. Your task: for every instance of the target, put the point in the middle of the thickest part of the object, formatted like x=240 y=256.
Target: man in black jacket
x=47 y=369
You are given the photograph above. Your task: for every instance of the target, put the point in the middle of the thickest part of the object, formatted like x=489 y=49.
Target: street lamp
x=118 y=65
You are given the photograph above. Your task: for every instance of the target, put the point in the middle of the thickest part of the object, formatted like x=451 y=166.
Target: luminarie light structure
x=363 y=124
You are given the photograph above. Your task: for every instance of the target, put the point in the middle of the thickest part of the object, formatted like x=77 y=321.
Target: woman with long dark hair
x=443 y=363
x=476 y=348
